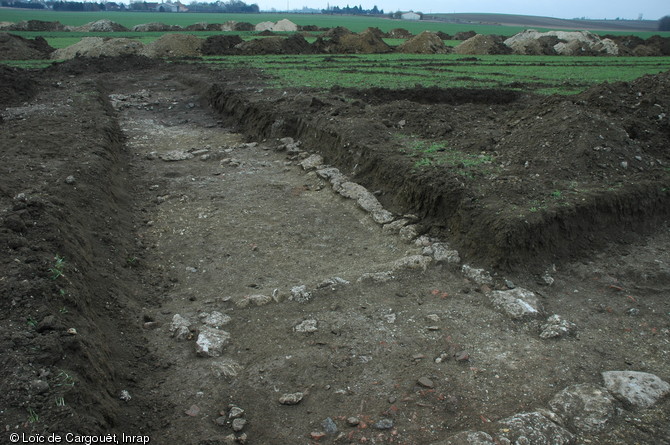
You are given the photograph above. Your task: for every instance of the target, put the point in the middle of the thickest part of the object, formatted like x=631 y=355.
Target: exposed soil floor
x=127 y=198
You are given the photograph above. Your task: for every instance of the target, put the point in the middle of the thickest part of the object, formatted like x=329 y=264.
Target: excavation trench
x=161 y=206
x=485 y=229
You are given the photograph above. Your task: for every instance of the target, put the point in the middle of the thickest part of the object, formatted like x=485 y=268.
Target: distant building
x=410 y=16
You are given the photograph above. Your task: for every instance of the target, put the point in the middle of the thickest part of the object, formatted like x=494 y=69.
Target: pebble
x=317 y=435
x=238 y=424
x=383 y=424
x=235 y=412
x=353 y=421
x=329 y=426
x=425 y=382
x=291 y=399
x=193 y=411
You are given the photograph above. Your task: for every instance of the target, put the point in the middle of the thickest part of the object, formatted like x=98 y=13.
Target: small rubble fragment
x=291 y=399
x=176 y=155
x=215 y=319
x=383 y=424
x=226 y=368
x=517 y=303
x=180 y=328
x=586 y=408
x=639 y=389
x=312 y=162
x=556 y=326
x=306 y=326
x=534 y=428
x=300 y=294
x=255 y=300
x=210 y=342
x=412 y=262
x=479 y=276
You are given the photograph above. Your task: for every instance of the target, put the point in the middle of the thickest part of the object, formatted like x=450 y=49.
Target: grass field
x=543 y=74
x=354 y=23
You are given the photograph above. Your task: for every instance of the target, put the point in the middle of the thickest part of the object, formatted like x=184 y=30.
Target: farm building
x=410 y=16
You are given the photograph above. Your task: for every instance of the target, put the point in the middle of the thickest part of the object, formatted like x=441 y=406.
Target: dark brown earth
x=101 y=236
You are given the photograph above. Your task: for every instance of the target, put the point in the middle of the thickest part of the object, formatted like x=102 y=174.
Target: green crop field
x=354 y=23
x=543 y=74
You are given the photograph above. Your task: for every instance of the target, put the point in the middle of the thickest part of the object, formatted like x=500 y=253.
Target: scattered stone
x=383 y=424
x=469 y=438
x=306 y=326
x=256 y=300
x=390 y=318
x=70 y=180
x=221 y=421
x=300 y=294
x=442 y=254
x=333 y=175
x=395 y=226
x=353 y=421
x=193 y=411
x=586 y=407
x=210 y=342
x=312 y=163
x=639 y=389
x=479 y=276
x=39 y=386
x=382 y=216
x=335 y=281
x=176 y=155
x=425 y=382
x=215 y=319
x=408 y=232
x=317 y=435
x=125 y=395
x=517 y=303
x=533 y=428
x=412 y=262
x=376 y=277
x=462 y=356
x=226 y=368
x=180 y=328
x=433 y=317
x=329 y=426
x=442 y=357
x=235 y=412
x=71 y=331
x=556 y=327
x=238 y=424
x=291 y=399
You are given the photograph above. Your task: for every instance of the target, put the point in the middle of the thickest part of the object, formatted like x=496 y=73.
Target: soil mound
x=399 y=33
x=445 y=36
x=337 y=32
x=243 y=26
x=568 y=43
x=101 y=26
x=13 y=47
x=425 y=43
x=464 y=35
x=264 y=26
x=38 y=25
x=220 y=45
x=204 y=26
x=635 y=46
x=285 y=25
x=16 y=86
x=174 y=45
x=104 y=64
x=367 y=42
x=155 y=27
x=295 y=44
x=483 y=44
x=99 y=46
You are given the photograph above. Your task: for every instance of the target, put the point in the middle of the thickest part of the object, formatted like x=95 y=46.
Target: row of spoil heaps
x=336 y=41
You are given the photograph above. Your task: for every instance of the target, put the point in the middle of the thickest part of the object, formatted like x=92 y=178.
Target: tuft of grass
x=33 y=417
x=57 y=270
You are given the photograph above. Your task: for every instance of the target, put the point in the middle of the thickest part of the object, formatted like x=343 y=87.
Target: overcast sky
x=566 y=9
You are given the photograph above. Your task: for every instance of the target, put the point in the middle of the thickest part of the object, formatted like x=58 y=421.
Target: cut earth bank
x=126 y=201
